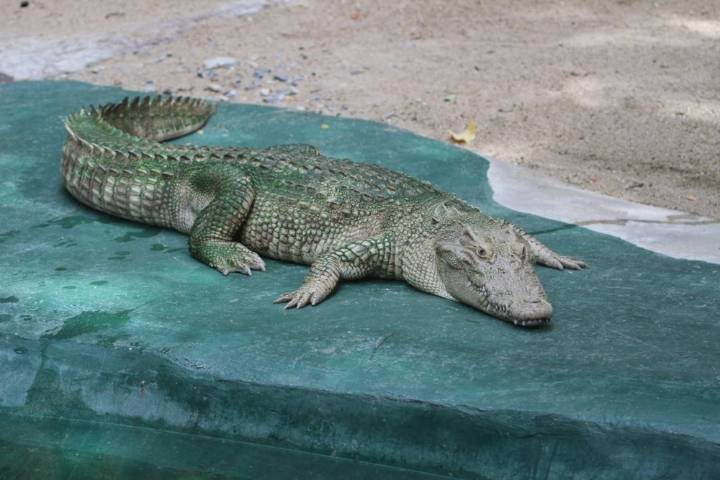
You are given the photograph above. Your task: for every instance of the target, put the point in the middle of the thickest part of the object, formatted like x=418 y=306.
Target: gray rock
x=210 y=74
x=219 y=62
x=259 y=73
x=149 y=86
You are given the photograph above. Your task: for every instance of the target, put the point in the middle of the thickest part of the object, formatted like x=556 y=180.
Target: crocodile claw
x=244 y=265
x=559 y=262
x=303 y=296
x=572 y=263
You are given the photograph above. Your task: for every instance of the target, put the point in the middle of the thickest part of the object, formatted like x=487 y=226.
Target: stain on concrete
x=4 y=237
x=110 y=340
x=71 y=221
x=66 y=243
x=120 y=255
x=144 y=233
x=89 y=322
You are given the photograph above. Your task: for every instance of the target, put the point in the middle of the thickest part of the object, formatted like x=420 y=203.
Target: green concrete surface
x=121 y=355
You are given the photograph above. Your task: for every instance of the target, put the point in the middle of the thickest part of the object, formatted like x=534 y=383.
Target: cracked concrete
x=670 y=232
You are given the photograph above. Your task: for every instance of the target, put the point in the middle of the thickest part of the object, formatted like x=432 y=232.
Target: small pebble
x=211 y=74
x=259 y=73
x=219 y=62
x=214 y=87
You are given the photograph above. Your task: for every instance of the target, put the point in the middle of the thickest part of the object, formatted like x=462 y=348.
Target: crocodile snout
x=532 y=313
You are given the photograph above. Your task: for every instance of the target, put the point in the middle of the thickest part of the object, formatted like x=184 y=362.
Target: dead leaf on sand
x=467 y=135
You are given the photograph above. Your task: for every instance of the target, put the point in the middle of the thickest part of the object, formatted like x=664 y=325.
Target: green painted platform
x=122 y=357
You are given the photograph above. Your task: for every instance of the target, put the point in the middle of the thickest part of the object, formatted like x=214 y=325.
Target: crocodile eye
x=481 y=252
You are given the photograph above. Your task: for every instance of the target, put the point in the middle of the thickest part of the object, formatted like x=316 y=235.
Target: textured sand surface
x=617 y=97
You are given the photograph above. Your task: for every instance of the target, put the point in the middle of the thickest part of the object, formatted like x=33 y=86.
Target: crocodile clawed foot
x=227 y=256
x=559 y=262
x=245 y=265
x=307 y=294
x=572 y=263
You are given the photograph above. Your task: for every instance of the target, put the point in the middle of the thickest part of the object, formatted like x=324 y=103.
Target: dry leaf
x=467 y=135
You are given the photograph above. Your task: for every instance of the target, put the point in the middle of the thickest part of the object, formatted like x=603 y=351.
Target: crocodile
x=347 y=220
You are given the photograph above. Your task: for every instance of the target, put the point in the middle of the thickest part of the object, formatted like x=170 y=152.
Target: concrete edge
x=669 y=232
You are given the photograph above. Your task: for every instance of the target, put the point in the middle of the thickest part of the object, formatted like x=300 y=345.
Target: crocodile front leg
x=230 y=193
x=544 y=256
x=354 y=261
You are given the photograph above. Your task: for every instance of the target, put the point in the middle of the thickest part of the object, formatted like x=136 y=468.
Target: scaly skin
x=289 y=202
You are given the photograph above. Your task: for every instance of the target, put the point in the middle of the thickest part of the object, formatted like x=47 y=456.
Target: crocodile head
x=487 y=265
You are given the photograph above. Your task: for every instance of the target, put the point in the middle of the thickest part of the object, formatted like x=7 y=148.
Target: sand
x=616 y=97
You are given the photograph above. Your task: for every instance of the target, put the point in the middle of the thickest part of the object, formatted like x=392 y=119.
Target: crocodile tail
x=158 y=118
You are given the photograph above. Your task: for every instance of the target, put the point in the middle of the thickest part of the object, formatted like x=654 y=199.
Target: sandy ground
x=618 y=97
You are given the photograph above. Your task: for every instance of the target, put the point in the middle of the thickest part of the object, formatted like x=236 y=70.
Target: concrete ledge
x=670 y=232
x=115 y=344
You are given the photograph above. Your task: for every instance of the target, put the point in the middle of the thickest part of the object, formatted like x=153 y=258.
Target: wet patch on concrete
x=71 y=221
x=144 y=233
x=158 y=247
x=65 y=243
x=120 y=255
x=4 y=237
x=89 y=322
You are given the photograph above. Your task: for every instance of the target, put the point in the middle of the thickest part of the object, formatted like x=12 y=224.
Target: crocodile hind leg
x=544 y=256
x=352 y=262
x=228 y=193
